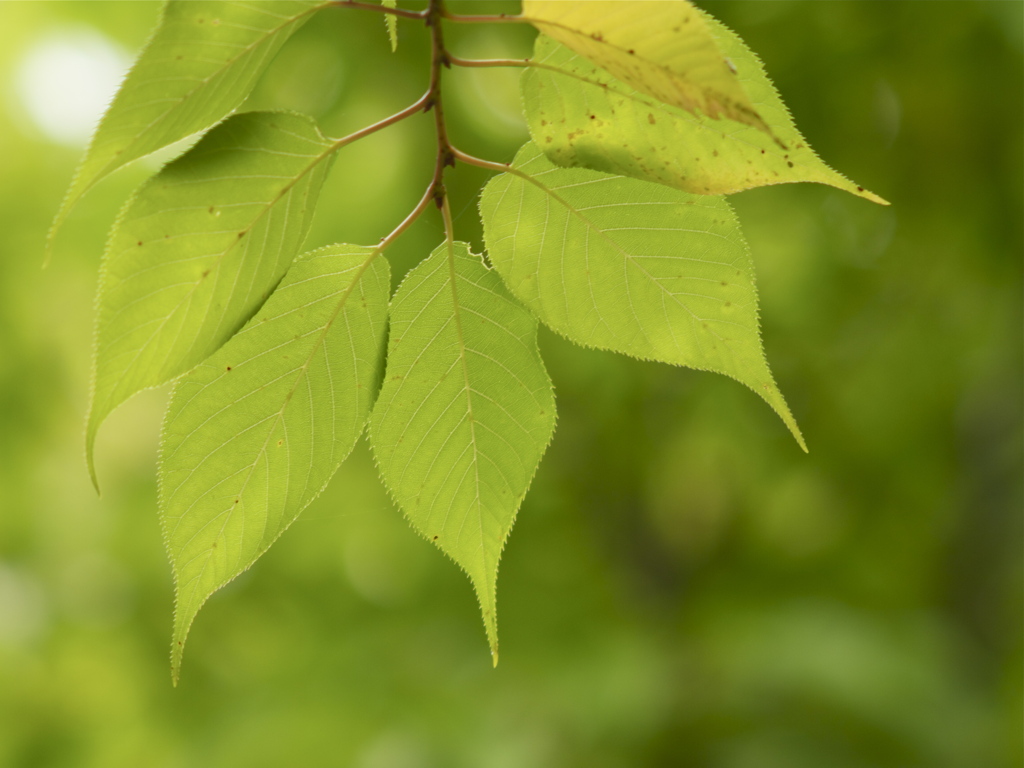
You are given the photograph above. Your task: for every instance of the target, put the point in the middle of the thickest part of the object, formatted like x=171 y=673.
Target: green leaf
x=201 y=63
x=391 y=23
x=465 y=413
x=254 y=433
x=582 y=117
x=662 y=48
x=629 y=266
x=198 y=250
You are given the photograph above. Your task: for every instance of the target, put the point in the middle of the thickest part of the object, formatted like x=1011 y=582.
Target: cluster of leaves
x=609 y=227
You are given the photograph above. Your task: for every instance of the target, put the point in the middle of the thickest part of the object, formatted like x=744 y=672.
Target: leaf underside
x=198 y=250
x=629 y=266
x=583 y=117
x=200 y=64
x=662 y=48
x=254 y=433
x=465 y=412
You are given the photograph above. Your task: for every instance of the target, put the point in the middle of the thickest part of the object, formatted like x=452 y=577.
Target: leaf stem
x=509 y=168
x=412 y=109
x=405 y=14
x=460 y=62
x=408 y=221
x=501 y=18
x=458 y=154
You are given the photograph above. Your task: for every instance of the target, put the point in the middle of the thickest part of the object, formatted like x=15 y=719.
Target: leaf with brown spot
x=242 y=454
x=662 y=48
x=654 y=141
x=629 y=266
x=190 y=75
x=168 y=303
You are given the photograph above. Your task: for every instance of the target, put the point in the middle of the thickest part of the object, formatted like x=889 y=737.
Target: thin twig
x=407 y=222
x=458 y=154
x=412 y=109
x=501 y=18
x=460 y=62
x=508 y=168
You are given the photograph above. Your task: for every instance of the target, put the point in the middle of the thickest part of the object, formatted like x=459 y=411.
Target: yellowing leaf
x=254 y=433
x=629 y=266
x=582 y=117
x=465 y=412
x=662 y=48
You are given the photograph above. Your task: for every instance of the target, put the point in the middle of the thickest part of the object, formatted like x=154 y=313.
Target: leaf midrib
x=279 y=416
x=203 y=82
x=627 y=257
x=456 y=310
x=235 y=241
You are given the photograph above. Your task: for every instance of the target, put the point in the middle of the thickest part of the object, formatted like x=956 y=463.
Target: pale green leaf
x=254 y=433
x=198 y=250
x=662 y=48
x=630 y=266
x=391 y=23
x=580 y=116
x=201 y=63
x=465 y=413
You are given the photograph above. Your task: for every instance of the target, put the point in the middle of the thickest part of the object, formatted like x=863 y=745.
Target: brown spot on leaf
x=650 y=118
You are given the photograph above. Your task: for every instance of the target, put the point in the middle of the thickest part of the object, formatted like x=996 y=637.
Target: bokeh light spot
x=66 y=80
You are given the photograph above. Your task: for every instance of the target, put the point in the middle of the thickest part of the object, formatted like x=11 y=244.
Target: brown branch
x=412 y=109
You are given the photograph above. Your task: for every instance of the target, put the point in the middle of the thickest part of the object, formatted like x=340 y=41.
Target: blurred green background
x=683 y=586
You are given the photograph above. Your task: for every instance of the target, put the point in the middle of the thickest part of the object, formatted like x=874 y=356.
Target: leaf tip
x=181 y=628
x=869 y=195
x=90 y=458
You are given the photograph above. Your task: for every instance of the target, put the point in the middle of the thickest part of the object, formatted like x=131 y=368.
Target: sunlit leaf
x=201 y=63
x=391 y=23
x=630 y=266
x=254 y=433
x=580 y=116
x=465 y=413
x=199 y=249
x=662 y=48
